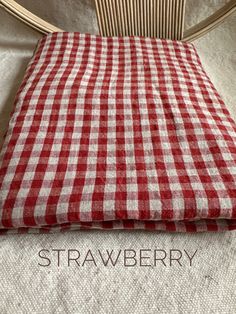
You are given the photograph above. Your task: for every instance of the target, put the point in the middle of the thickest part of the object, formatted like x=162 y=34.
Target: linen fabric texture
x=117 y=133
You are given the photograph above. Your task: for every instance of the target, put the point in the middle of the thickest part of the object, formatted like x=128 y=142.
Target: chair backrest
x=152 y=18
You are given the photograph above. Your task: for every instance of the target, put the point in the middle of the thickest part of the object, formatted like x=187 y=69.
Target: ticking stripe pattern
x=150 y=18
x=117 y=133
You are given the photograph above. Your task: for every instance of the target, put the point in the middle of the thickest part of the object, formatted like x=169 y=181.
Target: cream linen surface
x=208 y=286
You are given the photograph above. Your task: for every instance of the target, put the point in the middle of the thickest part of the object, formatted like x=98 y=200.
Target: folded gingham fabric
x=117 y=133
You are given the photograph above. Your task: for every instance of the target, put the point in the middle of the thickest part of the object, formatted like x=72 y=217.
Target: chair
x=153 y=18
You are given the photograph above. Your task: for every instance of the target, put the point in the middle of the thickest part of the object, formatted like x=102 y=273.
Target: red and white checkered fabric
x=120 y=133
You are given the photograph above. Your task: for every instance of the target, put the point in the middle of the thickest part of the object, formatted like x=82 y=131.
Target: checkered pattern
x=117 y=133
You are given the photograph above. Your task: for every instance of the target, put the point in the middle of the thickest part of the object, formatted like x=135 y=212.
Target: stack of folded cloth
x=117 y=133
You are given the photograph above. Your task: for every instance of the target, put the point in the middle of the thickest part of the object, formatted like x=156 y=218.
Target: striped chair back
x=150 y=18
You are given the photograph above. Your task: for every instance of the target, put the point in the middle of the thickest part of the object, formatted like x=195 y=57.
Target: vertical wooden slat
x=119 y=18
x=120 y=28
x=145 y=16
x=141 y=14
x=182 y=19
x=160 y=16
x=123 y=16
x=114 y=14
x=140 y=20
x=173 y=3
x=176 y=19
x=148 y=26
x=98 y=11
x=151 y=7
x=131 y=5
x=163 y=19
x=110 y=18
x=135 y=17
x=166 y=6
x=167 y=18
x=170 y=18
x=128 y=15
x=154 y=3
x=104 y=18
x=157 y=17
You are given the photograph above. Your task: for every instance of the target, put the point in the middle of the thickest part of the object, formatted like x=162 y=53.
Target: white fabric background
x=209 y=286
